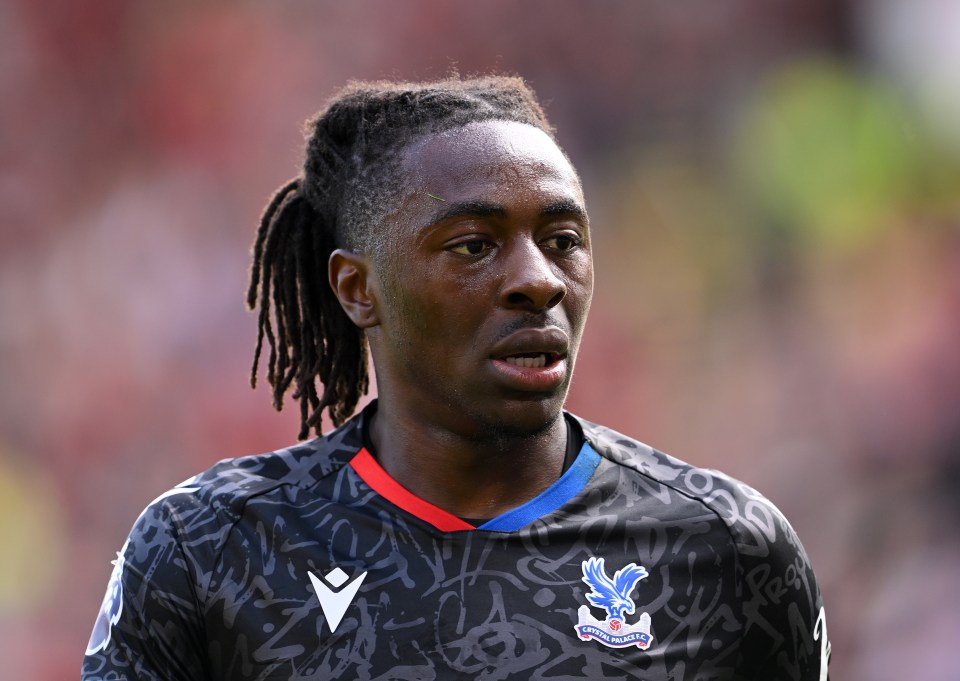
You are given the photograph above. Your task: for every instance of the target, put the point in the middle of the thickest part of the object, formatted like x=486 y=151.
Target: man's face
x=485 y=288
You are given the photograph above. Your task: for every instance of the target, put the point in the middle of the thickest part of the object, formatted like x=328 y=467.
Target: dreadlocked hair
x=351 y=180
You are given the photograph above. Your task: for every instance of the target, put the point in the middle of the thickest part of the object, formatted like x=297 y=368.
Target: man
x=462 y=526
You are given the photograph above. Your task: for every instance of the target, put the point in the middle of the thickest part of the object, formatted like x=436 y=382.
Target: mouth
x=533 y=347
x=532 y=360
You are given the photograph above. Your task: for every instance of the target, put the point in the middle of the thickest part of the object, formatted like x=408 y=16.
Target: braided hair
x=351 y=180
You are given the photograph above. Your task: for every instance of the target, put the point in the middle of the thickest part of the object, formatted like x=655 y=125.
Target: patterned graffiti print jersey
x=312 y=563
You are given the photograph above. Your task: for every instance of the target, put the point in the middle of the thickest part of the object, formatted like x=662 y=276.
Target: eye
x=472 y=247
x=563 y=242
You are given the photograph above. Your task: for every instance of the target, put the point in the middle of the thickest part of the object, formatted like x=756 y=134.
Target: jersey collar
x=559 y=493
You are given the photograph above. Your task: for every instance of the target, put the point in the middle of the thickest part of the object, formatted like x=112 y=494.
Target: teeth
x=527 y=362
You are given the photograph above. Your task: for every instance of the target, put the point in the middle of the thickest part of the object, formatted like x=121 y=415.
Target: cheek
x=404 y=303
x=580 y=288
x=423 y=320
x=429 y=302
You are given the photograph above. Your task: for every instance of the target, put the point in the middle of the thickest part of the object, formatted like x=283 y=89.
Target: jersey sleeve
x=150 y=626
x=785 y=630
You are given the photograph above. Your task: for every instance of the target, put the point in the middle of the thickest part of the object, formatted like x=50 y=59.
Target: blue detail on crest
x=612 y=595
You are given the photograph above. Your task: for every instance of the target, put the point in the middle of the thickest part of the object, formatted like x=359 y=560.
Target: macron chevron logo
x=335 y=594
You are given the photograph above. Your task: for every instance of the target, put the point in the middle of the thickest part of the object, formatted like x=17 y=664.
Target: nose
x=531 y=281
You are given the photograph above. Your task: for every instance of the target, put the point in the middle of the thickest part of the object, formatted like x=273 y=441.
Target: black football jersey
x=313 y=563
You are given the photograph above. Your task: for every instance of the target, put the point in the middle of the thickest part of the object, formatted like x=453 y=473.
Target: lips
x=532 y=359
x=549 y=342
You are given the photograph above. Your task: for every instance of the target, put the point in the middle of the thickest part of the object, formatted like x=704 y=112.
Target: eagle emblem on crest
x=613 y=596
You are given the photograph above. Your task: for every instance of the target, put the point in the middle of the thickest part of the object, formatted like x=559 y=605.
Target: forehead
x=489 y=160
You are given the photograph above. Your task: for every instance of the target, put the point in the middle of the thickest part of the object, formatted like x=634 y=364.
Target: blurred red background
x=775 y=196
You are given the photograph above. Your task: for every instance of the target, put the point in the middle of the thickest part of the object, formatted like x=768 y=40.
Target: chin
x=519 y=419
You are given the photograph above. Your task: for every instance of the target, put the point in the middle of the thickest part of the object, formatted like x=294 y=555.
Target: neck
x=467 y=475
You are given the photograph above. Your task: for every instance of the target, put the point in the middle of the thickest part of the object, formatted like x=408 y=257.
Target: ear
x=352 y=278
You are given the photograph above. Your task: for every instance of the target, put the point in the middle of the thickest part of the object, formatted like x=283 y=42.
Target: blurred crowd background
x=774 y=188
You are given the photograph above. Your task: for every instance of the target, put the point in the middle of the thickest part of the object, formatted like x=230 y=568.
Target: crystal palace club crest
x=613 y=596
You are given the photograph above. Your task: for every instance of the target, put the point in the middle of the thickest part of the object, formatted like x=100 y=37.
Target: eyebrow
x=565 y=208
x=480 y=209
x=484 y=209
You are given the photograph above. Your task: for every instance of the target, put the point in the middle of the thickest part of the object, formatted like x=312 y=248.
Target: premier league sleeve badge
x=110 y=609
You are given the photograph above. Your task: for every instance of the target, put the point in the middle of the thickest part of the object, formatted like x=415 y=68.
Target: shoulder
x=201 y=511
x=781 y=610
x=166 y=570
x=227 y=486
x=756 y=525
